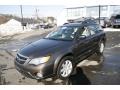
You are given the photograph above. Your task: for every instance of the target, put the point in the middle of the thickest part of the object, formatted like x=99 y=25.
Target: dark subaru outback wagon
x=59 y=52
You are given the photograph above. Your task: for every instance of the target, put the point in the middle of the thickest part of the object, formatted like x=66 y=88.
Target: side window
x=93 y=29
x=92 y=32
x=85 y=32
x=98 y=27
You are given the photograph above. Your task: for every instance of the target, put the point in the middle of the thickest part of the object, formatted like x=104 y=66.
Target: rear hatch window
x=117 y=17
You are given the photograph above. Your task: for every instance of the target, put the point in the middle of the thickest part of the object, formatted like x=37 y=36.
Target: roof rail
x=79 y=20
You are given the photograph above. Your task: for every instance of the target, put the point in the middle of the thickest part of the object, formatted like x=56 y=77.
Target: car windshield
x=63 y=33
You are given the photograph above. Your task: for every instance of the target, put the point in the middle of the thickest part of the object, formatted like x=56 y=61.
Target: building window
x=104 y=10
x=92 y=11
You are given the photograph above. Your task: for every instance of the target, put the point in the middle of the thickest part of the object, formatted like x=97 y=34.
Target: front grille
x=21 y=59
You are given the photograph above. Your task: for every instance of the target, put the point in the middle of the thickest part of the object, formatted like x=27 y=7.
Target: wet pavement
x=95 y=70
x=107 y=72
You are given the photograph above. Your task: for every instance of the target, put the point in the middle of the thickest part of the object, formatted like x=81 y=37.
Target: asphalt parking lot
x=95 y=70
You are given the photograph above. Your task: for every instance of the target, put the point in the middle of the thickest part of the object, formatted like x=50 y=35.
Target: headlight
x=40 y=60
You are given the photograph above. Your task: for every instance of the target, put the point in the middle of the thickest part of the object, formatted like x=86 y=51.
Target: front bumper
x=35 y=72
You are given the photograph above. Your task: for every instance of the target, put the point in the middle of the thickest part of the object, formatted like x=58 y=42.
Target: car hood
x=43 y=47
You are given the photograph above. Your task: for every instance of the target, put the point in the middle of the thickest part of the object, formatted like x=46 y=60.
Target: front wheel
x=65 y=68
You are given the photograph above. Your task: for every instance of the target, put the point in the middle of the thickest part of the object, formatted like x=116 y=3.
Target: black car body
x=115 y=20
x=57 y=51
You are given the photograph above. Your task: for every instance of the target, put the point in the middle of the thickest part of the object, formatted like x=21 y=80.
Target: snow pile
x=111 y=29
x=10 y=28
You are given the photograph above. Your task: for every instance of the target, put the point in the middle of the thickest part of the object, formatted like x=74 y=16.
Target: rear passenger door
x=94 y=39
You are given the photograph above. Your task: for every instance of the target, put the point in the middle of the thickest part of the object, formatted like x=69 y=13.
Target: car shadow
x=98 y=58
x=79 y=78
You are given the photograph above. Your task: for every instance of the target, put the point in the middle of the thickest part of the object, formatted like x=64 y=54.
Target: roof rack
x=79 y=20
x=84 y=19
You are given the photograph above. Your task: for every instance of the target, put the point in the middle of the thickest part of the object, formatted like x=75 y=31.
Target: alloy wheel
x=66 y=68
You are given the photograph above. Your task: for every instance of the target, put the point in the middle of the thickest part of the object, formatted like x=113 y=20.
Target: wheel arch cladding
x=57 y=61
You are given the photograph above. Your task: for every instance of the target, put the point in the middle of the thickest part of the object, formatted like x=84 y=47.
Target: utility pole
x=21 y=16
x=99 y=13
x=36 y=12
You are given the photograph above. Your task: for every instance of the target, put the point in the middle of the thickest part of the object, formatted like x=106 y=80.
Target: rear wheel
x=100 y=48
x=99 y=53
x=65 y=68
x=113 y=26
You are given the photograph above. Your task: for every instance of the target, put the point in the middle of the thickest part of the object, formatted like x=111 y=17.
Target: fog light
x=39 y=75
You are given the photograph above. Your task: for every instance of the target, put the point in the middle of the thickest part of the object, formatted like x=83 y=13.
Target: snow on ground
x=12 y=27
x=111 y=29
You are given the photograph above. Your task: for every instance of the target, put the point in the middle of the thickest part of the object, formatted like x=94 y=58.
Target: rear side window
x=92 y=29
x=96 y=28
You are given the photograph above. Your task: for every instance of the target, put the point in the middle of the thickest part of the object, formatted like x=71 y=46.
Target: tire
x=114 y=26
x=100 y=48
x=65 y=68
x=105 y=25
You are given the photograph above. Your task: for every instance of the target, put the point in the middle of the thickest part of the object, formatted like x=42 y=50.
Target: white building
x=92 y=11
x=87 y=11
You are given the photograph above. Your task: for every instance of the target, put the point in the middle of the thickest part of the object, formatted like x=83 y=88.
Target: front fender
x=59 y=58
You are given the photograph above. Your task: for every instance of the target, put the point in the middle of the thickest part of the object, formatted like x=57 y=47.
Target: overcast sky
x=47 y=7
x=67 y=3
x=30 y=10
